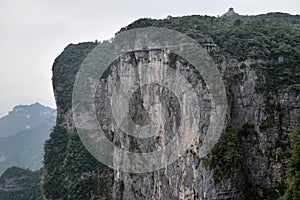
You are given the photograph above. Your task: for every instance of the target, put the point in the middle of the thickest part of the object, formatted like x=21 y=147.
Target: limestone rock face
x=186 y=178
x=271 y=116
x=262 y=122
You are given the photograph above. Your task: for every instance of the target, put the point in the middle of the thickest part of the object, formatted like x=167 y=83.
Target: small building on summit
x=230 y=13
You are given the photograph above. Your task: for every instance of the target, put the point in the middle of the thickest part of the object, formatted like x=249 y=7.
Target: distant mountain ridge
x=24 y=117
x=22 y=135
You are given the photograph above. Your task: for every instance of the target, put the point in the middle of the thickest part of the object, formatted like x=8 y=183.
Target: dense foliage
x=23 y=184
x=275 y=18
x=225 y=158
x=273 y=48
x=71 y=172
x=55 y=151
x=72 y=163
x=293 y=182
x=64 y=72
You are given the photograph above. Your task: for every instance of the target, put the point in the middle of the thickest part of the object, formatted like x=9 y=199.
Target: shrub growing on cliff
x=293 y=182
x=225 y=157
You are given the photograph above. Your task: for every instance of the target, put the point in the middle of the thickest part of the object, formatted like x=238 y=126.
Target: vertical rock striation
x=248 y=162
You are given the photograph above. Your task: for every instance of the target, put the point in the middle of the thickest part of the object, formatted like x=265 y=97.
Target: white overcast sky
x=34 y=32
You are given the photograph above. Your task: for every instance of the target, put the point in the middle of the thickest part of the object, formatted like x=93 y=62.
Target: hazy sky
x=34 y=32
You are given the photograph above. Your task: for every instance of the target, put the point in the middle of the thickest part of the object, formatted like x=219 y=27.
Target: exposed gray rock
x=262 y=121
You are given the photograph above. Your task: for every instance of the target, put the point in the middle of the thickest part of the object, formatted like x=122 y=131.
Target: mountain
x=24 y=117
x=259 y=64
x=23 y=133
x=20 y=184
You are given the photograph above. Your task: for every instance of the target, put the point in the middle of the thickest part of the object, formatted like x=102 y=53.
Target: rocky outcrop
x=264 y=121
x=188 y=177
x=248 y=162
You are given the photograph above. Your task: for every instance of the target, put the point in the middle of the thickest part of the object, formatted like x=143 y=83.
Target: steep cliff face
x=248 y=162
x=70 y=171
x=187 y=178
x=264 y=120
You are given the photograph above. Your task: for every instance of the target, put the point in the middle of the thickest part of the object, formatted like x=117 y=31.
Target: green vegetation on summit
x=269 y=44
